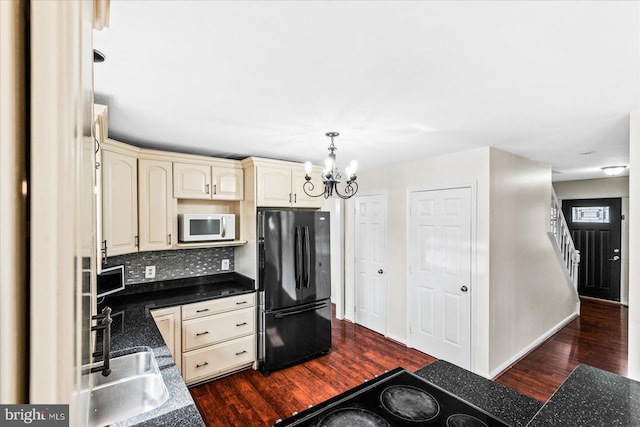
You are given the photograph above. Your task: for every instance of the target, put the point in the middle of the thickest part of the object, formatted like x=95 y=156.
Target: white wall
x=634 y=247
x=467 y=167
x=603 y=188
x=530 y=294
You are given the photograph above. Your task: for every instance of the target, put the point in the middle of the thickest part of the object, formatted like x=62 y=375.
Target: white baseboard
x=516 y=357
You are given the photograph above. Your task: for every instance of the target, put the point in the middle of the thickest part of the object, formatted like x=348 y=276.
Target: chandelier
x=331 y=175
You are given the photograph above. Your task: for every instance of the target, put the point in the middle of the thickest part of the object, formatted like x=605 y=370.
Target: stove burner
x=464 y=420
x=409 y=403
x=352 y=417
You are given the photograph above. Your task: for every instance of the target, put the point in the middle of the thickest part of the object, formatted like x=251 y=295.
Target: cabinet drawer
x=206 y=308
x=206 y=362
x=220 y=327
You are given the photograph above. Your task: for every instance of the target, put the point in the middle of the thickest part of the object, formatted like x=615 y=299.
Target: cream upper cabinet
x=282 y=187
x=155 y=204
x=274 y=186
x=228 y=183
x=191 y=181
x=119 y=202
x=202 y=181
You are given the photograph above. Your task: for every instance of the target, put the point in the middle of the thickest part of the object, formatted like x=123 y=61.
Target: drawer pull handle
x=200 y=366
x=241 y=302
x=241 y=324
x=202 y=333
x=200 y=311
x=241 y=352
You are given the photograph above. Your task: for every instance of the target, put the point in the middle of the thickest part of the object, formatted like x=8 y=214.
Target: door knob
x=615 y=258
x=463 y=288
x=380 y=271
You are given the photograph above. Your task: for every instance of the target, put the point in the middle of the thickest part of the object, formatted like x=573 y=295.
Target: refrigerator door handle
x=298 y=258
x=307 y=258
x=304 y=310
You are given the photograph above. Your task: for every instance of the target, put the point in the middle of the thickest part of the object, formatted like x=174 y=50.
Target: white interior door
x=440 y=274
x=371 y=286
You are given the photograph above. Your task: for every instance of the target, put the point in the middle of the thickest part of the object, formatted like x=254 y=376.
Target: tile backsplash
x=173 y=264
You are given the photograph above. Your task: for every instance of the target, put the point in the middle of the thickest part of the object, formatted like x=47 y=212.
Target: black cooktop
x=396 y=398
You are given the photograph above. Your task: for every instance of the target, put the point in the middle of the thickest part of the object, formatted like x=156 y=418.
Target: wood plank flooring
x=597 y=338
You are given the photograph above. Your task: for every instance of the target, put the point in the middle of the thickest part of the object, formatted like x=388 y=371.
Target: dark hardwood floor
x=597 y=338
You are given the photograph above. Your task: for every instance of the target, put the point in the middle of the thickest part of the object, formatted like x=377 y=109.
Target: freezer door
x=295 y=334
x=316 y=259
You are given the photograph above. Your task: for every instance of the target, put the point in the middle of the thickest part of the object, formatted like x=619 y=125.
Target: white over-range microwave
x=206 y=227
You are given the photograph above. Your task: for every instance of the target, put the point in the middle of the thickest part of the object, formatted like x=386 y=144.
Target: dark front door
x=595 y=228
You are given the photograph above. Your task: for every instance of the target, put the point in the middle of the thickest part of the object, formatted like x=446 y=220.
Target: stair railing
x=560 y=230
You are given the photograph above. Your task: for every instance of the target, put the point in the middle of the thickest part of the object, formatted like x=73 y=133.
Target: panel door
x=595 y=226
x=300 y=198
x=370 y=248
x=228 y=183
x=440 y=274
x=191 y=181
x=155 y=204
x=274 y=187
x=119 y=203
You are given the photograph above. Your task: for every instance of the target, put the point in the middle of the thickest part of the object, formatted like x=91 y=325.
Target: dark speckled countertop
x=512 y=407
x=592 y=397
x=133 y=326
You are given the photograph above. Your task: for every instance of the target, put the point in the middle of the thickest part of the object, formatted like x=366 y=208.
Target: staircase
x=561 y=237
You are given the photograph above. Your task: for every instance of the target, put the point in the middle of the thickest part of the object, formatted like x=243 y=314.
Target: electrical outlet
x=225 y=264
x=150 y=272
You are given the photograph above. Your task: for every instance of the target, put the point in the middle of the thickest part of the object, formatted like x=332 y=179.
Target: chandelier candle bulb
x=307 y=167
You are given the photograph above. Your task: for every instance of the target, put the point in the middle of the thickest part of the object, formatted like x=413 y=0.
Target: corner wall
x=634 y=247
x=529 y=295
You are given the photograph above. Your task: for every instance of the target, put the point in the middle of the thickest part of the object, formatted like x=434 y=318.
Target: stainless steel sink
x=134 y=386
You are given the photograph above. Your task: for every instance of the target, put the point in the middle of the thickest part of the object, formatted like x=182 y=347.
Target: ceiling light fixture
x=613 y=170
x=331 y=175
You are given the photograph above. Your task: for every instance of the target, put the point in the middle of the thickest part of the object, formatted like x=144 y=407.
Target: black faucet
x=104 y=325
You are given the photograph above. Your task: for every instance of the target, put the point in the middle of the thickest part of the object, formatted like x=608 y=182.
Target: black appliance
x=294 y=287
x=110 y=281
x=396 y=398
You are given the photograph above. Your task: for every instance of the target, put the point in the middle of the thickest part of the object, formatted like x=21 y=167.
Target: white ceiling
x=398 y=80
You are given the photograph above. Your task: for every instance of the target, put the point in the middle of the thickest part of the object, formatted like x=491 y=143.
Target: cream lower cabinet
x=169 y=321
x=156 y=205
x=218 y=337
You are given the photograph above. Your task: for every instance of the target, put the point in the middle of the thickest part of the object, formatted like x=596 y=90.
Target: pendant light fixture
x=331 y=176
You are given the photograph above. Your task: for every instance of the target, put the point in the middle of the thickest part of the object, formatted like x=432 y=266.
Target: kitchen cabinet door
x=228 y=183
x=155 y=204
x=169 y=325
x=274 y=186
x=191 y=181
x=119 y=203
x=300 y=198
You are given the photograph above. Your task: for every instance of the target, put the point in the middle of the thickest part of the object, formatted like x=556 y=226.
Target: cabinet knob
x=380 y=271
x=463 y=288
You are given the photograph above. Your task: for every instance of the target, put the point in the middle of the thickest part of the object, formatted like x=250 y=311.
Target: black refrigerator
x=294 y=287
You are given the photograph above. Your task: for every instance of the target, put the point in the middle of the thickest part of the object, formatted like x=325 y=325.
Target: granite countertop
x=502 y=402
x=592 y=397
x=133 y=326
